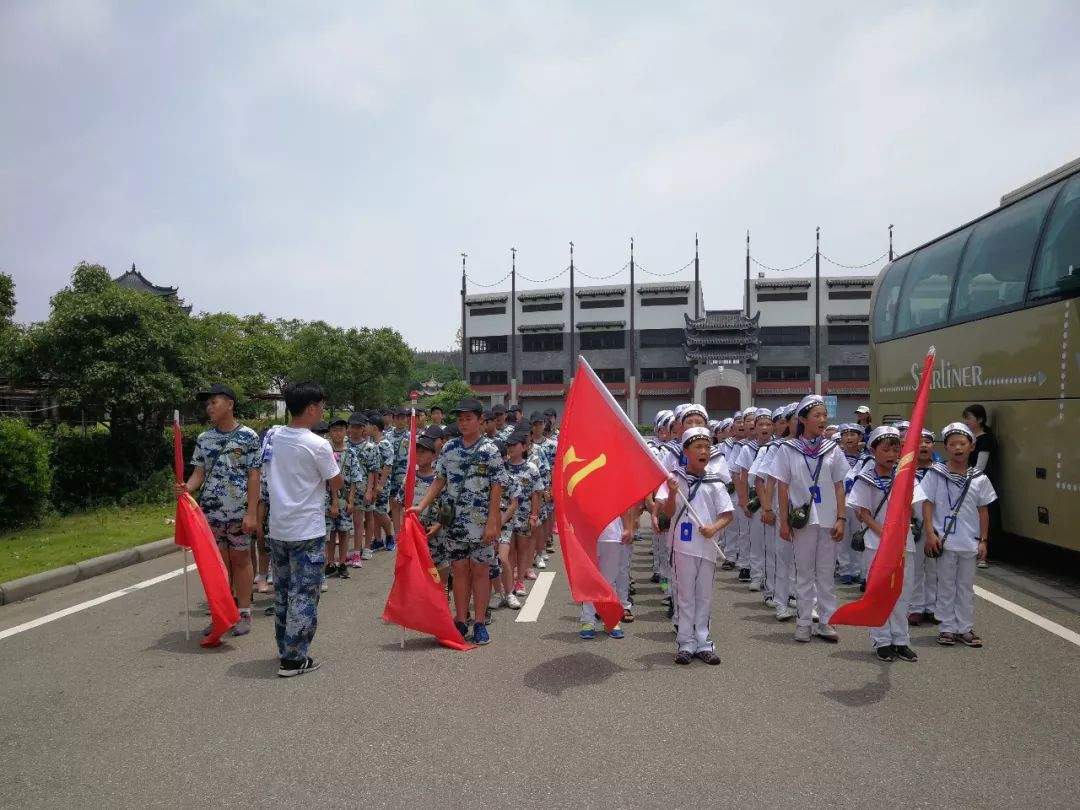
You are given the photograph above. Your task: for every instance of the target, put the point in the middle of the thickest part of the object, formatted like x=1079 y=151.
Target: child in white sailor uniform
x=924 y=580
x=744 y=429
x=695 y=553
x=609 y=555
x=956 y=523
x=811 y=470
x=765 y=487
x=783 y=578
x=760 y=435
x=849 y=561
x=870 y=498
x=660 y=449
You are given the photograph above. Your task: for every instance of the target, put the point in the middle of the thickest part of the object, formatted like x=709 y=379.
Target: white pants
x=742 y=539
x=815 y=559
x=924 y=582
x=656 y=552
x=771 y=539
x=609 y=558
x=756 y=546
x=956 y=591
x=622 y=584
x=665 y=555
x=850 y=562
x=895 y=630
x=784 y=579
x=693 y=595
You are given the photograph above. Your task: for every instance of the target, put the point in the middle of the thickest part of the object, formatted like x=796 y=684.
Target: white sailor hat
x=849 y=427
x=832 y=427
x=761 y=412
x=714 y=424
x=726 y=423
x=903 y=424
x=863 y=409
x=956 y=427
x=808 y=402
x=879 y=433
x=778 y=413
x=694 y=408
x=696 y=433
x=927 y=433
x=790 y=408
x=662 y=417
x=679 y=410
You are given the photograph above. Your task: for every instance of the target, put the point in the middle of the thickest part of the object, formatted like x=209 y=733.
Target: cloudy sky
x=333 y=160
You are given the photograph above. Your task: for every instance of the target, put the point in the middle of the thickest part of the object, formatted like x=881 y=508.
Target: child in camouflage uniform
x=426 y=454
x=225 y=465
x=380 y=512
x=400 y=443
x=339 y=526
x=522 y=519
x=355 y=475
x=472 y=472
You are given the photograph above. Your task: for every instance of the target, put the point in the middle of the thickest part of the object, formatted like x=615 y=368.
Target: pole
x=748 y=274
x=513 y=315
x=464 y=335
x=817 y=311
x=697 y=280
x=633 y=334
x=187 y=589
x=890 y=244
x=573 y=361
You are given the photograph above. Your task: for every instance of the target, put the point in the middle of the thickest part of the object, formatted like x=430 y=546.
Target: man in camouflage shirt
x=225 y=462
x=400 y=443
x=472 y=472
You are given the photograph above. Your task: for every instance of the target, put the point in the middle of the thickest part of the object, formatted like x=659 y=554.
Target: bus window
x=924 y=303
x=998 y=257
x=1058 y=268
x=887 y=295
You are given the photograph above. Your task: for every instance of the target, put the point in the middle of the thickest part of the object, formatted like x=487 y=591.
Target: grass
x=67 y=539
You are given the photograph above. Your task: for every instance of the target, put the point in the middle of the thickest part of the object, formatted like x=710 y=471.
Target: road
x=110 y=706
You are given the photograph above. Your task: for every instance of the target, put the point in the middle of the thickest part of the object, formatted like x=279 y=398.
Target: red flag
x=192 y=531
x=417 y=598
x=410 y=467
x=602 y=468
x=886 y=578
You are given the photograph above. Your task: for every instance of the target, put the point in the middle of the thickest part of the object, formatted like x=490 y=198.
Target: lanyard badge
x=815 y=493
x=950 y=524
x=686 y=531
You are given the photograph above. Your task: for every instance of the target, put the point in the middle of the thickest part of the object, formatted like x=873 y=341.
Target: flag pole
x=409 y=474
x=187 y=587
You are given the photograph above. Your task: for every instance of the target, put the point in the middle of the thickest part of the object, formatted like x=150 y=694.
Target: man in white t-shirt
x=299 y=464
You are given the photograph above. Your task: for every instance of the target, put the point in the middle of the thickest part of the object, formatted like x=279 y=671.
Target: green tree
x=249 y=354
x=10 y=333
x=422 y=371
x=7 y=298
x=124 y=354
x=448 y=398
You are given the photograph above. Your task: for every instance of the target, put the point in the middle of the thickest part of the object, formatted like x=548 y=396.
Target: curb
x=18 y=589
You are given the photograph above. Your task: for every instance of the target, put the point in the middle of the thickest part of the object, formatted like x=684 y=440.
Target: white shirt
x=944 y=494
x=300 y=466
x=710 y=502
x=743 y=457
x=718 y=464
x=791 y=467
x=869 y=497
x=612 y=533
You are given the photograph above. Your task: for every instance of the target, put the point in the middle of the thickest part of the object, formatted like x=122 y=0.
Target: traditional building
x=721 y=348
x=134 y=280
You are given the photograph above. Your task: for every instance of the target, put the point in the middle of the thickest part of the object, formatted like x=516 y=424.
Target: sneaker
x=330 y=570
x=616 y=632
x=885 y=653
x=519 y=588
x=540 y=562
x=792 y=601
x=366 y=554
x=288 y=669
x=914 y=618
x=969 y=639
x=462 y=628
x=480 y=635
x=587 y=632
x=343 y=571
x=946 y=639
x=982 y=564
x=530 y=574
x=684 y=657
x=727 y=565
x=666 y=601
x=242 y=627
x=354 y=560
x=905 y=653
x=802 y=633
x=513 y=602
x=377 y=545
x=755 y=585
x=708 y=656
x=826 y=632
x=261 y=585
x=323 y=587
x=665 y=585
x=391 y=544
x=770 y=603
x=744 y=575
x=655 y=578
x=846 y=579
x=784 y=613
x=628 y=616
x=268 y=610
x=929 y=617
x=496 y=600
x=862 y=587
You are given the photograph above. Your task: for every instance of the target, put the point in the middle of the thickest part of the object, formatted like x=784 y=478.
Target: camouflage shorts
x=382 y=502
x=231 y=535
x=397 y=483
x=440 y=550
x=547 y=511
x=342 y=523
x=480 y=553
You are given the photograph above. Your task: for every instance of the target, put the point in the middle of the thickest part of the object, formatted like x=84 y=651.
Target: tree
x=113 y=351
x=249 y=354
x=449 y=397
x=10 y=333
x=7 y=298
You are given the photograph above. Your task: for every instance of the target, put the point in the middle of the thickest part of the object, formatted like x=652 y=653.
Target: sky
x=333 y=160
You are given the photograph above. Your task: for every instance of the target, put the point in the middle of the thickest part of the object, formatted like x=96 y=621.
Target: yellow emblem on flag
x=434 y=573
x=905 y=461
x=572 y=458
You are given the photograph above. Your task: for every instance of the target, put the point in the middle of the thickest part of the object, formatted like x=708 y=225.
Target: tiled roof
x=790 y=283
x=601 y=325
x=600 y=292
x=664 y=288
x=663 y=388
x=547 y=295
x=542 y=327
x=715 y=339
x=470 y=300
x=722 y=319
x=856 y=281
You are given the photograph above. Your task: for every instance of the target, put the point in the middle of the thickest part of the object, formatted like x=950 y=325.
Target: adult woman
x=984 y=457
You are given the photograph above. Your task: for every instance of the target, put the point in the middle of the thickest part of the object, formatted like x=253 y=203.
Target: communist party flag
x=192 y=531
x=602 y=468
x=417 y=599
x=886 y=578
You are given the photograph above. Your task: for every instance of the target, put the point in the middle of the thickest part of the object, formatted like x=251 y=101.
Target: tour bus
x=997 y=297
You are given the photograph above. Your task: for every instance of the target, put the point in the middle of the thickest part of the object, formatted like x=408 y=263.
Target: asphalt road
x=111 y=707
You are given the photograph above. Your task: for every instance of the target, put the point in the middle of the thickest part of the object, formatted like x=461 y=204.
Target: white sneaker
x=513 y=602
x=540 y=562
x=366 y=554
x=792 y=601
x=802 y=633
x=496 y=601
x=784 y=613
x=827 y=632
x=770 y=603
x=323 y=587
x=814 y=614
x=755 y=584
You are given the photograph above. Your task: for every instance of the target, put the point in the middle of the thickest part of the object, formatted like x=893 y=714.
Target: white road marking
x=534 y=602
x=100 y=600
x=1027 y=615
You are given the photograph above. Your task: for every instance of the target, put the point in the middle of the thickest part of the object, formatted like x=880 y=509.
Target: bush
x=25 y=477
x=155 y=489
x=81 y=469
